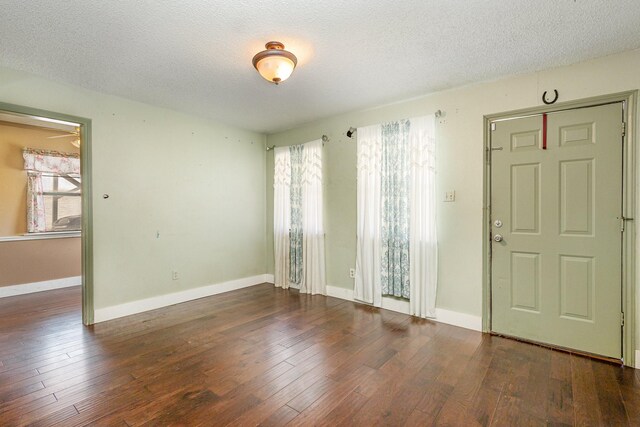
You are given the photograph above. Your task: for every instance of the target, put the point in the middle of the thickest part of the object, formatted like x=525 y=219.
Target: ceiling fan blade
x=63 y=136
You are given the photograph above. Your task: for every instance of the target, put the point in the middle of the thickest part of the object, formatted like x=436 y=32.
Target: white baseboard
x=139 y=306
x=637 y=359
x=342 y=293
x=455 y=318
x=449 y=317
x=47 y=285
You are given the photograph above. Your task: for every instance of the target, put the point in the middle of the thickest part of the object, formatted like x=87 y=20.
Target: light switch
x=450 y=196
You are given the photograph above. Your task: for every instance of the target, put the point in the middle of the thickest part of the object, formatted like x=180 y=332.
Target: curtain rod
x=325 y=138
x=353 y=130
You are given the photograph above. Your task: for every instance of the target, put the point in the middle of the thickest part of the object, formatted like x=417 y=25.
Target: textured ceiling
x=195 y=56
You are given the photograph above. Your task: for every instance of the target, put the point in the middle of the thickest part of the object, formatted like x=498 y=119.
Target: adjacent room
x=41 y=205
x=319 y=213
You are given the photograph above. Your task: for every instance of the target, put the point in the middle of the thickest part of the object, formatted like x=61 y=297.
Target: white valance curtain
x=396 y=214
x=51 y=161
x=37 y=162
x=298 y=218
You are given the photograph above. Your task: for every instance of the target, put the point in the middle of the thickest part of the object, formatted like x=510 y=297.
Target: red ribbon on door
x=544 y=131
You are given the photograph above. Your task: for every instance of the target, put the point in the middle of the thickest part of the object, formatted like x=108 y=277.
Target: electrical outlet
x=174 y=275
x=450 y=196
x=352 y=273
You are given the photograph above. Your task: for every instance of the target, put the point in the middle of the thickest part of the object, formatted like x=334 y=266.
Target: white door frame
x=630 y=167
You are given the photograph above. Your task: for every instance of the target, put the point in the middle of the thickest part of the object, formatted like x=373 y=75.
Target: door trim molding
x=630 y=167
x=87 y=199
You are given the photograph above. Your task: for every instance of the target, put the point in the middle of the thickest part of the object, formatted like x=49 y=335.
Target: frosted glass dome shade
x=275 y=64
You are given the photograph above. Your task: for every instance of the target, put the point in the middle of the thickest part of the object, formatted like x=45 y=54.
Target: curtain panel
x=313 y=280
x=298 y=218
x=296 y=226
x=369 y=215
x=36 y=218
x=281 y=215
x=396 y=245
x=423 y=239
x=395 y=209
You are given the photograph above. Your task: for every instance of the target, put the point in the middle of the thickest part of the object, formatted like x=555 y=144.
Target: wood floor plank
x=323 y=406
x=509 y=413
x=343 y=414
x=271 y=404
x=273 y=357
x=630 y=389
x=280 y=418
x=609 y=395
x=586 y=407
x=57 y=418
x=559 y=391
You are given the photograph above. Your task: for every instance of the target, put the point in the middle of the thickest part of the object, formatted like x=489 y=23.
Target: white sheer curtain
x=423 y=241
x=313 y=262
x=309 y=165
x=369 y=213
x=423 y=258
x=281 y=215
x=36 y=214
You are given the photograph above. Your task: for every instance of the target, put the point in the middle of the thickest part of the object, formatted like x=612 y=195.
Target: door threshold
x=594 y=356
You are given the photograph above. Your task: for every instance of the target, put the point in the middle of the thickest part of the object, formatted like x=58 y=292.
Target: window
x=53 y=191
x=62 y=201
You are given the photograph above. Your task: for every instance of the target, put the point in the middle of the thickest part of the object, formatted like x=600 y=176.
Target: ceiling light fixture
x=275 y=64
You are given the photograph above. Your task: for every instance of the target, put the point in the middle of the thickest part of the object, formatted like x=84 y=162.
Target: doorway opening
x=45 y=214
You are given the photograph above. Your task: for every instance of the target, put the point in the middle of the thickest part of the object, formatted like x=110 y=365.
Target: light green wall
x=199 y=184
x=202 y=184
x=459 y=165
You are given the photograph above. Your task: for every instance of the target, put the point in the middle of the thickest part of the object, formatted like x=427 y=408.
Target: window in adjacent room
x=62 y=201
x=53 y=191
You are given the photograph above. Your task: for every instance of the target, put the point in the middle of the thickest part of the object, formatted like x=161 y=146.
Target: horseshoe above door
x=544 y=97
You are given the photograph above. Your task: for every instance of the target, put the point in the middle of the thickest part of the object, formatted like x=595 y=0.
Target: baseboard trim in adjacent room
x=47 y=285
x=449 y=317
x=139 y=306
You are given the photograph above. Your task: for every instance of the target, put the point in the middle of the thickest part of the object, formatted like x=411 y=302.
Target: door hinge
x=623 y=221
x=493 y=126
x=624 y=128
x=622 y=319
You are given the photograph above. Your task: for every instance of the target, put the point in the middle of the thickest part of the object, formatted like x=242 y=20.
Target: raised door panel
x=525 y=281
x=577 y=287
x=578 y=134
x=524 y=141
x=525 y=198
x=576 y=197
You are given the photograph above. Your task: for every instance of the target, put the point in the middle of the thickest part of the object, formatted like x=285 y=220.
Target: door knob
x=497 y=238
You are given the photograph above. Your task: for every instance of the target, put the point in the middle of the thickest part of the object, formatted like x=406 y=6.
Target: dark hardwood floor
x=266 y=356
